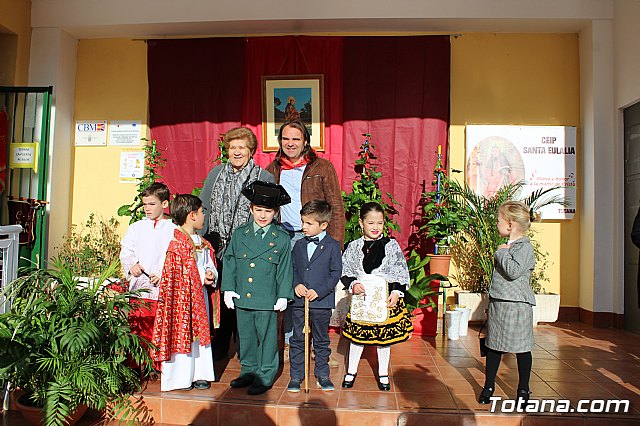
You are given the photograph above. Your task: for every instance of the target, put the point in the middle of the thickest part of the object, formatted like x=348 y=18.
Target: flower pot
x=477 y=302
x=425 y=320
x=464 y=319
x=453 y=324
x=439 y=264
x=546 y=309
x=35 y=415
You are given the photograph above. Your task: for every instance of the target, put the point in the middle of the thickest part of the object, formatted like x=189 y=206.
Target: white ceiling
x=171 y=18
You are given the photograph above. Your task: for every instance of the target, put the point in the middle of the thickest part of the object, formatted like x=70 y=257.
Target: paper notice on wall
x=541 y=156
x=124 y=133
x=91 y=133
x=23 y=155
x=131 y=165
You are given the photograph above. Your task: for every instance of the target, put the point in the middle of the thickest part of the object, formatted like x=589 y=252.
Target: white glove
x=228 y=298
x=281 y=304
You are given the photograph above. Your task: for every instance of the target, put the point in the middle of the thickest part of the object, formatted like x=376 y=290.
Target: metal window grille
x=9 y=239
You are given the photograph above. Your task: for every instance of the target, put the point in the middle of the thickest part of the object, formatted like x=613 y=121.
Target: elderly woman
x=226 y=209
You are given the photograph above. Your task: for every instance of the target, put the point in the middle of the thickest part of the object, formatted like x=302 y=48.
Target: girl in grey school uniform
x=511 y=299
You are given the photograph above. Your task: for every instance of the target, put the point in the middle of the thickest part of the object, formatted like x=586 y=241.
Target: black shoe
x=384 y=386
x=257 y=389
x=201 y=384
x=294 y=385
x=485 y=395
x=325 y=384
x=242 y=381
x=349 y=383
x=523 y=394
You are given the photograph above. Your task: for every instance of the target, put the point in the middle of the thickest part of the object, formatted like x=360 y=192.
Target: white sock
x=355 y=352
x=384 y=353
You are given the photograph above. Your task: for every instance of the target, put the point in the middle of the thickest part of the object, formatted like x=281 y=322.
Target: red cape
x=181 y=318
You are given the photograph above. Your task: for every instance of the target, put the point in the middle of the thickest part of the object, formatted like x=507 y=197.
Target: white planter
x=477 y=302
x=546 y=309
x=464 y=320
x=453 y=324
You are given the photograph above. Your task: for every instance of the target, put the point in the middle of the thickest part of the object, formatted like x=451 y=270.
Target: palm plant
x=474 y=250
x=68 y=345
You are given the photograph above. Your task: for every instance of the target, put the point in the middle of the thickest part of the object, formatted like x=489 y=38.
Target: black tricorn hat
x=266 y=194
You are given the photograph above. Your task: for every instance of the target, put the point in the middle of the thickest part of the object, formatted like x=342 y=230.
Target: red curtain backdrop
x=395 y=88
x=195 y=93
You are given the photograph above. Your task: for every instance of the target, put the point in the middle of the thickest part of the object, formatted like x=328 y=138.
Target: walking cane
x=306 y=345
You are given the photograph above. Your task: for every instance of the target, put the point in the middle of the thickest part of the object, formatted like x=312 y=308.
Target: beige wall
x=111 y=84
x=15 y=39
x=524 y=80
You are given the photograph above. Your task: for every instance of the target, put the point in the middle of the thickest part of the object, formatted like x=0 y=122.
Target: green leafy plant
x=443 y=215
x=67 y=344
x=473 y=256
x=539 y=275
x=421 y=292
x=89 y=248
x=364 y=189
x=153 y=162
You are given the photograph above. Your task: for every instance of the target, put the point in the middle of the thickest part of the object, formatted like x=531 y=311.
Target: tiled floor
x=434 y=381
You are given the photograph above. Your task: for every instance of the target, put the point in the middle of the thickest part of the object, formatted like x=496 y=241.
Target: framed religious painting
x=290 y=97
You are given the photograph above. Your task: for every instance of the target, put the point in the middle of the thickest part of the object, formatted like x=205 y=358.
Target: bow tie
x=314 y=240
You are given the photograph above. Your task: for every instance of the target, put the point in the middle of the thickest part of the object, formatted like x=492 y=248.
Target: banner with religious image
x=541 y=156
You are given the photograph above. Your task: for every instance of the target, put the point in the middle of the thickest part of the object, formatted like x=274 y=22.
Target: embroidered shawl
x=181 y=317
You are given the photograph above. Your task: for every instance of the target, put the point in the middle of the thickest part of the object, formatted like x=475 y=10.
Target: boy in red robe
x=181 y=330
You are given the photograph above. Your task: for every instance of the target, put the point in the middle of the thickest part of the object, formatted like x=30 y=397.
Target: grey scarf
x=229 y=208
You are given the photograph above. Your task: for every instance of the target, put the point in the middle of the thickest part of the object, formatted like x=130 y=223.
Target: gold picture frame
x=285 y=97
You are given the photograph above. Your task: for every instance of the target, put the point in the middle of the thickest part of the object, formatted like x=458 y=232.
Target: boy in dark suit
x=317 y=266
x=257 y=282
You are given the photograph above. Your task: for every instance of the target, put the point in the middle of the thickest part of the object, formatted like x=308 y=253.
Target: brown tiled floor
x=434 y=381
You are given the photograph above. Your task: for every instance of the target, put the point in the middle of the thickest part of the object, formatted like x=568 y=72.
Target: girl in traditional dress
x=375 y=254
x=511 y=299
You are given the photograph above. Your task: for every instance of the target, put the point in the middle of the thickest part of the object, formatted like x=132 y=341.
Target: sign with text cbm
x=540 y=156
x=91 y=133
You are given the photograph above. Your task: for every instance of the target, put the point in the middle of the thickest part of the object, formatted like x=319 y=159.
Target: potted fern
x=66 y=346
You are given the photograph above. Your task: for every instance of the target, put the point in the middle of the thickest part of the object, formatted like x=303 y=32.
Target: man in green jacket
x=257 y=281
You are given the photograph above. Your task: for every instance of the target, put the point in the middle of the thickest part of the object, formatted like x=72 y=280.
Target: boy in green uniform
x=257 y=281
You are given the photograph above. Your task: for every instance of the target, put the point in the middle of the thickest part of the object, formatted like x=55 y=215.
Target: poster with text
x=131 y=165
x=124 y=133
x=541 y=156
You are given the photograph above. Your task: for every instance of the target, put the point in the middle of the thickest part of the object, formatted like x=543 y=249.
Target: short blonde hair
x=520 y=213
x=244 y=134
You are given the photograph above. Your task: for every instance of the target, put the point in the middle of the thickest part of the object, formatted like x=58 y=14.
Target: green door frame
x=14 y=99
